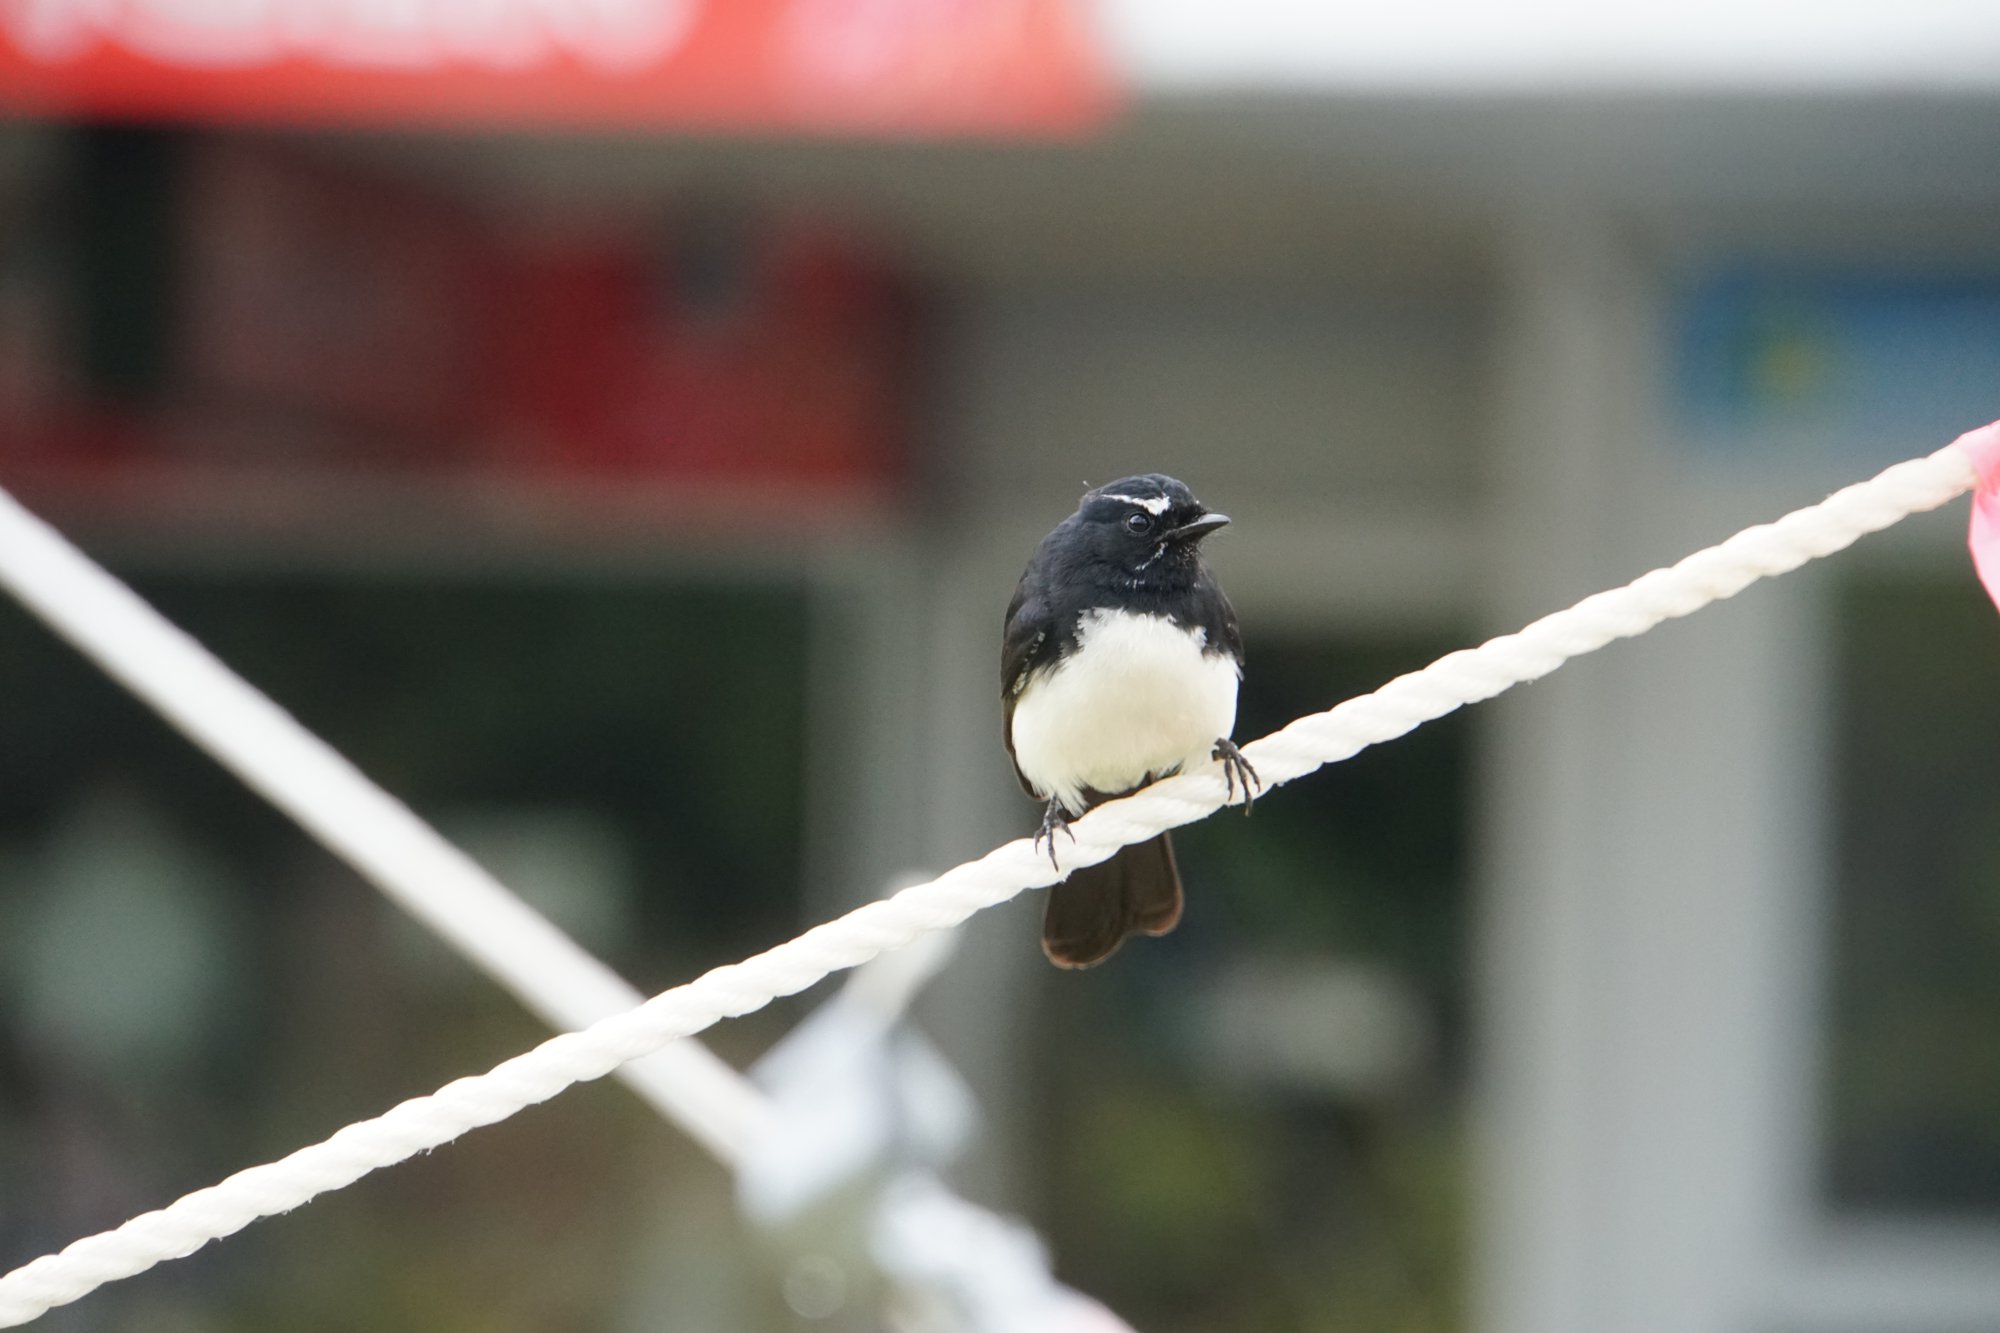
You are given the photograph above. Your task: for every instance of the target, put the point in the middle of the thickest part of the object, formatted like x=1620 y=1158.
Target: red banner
x=918 y=67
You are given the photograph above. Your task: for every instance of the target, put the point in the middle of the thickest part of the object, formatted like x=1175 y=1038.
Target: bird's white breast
x=1138 y=698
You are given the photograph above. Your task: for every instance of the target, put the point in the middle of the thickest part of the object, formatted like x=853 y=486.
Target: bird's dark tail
x=1090 y=913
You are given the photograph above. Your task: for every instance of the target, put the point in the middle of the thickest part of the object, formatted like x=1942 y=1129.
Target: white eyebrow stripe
x=1157 y=505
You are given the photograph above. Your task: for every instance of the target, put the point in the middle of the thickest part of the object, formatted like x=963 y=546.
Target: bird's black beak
x=1198 y=528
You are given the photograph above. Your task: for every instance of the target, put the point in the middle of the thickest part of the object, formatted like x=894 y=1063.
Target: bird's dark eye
x=1139 y=524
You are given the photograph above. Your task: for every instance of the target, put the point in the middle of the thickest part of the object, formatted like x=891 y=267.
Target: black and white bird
x=1119 y=666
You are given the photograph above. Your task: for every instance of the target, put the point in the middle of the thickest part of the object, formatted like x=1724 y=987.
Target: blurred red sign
x=325 y=328
x=870 y=66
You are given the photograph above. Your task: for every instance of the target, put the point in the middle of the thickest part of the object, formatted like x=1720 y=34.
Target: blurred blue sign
x=1790 y=364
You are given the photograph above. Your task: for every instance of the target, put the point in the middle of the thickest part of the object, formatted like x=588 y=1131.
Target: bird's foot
x=1054 y=820
x=1237 y=770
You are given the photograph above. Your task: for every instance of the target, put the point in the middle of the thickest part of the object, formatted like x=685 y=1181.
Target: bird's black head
x=1145 y=530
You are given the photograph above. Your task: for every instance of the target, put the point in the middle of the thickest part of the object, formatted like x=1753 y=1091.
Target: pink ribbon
x=1982 y=446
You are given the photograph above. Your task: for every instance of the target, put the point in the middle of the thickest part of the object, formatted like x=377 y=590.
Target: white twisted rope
x=1321 y=738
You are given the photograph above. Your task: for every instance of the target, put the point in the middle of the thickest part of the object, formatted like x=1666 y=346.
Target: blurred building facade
x=1657 y=995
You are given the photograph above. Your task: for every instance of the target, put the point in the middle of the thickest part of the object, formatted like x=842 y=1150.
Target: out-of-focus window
x=1261 y=1117
x=1912 y=1073
x=189 y=986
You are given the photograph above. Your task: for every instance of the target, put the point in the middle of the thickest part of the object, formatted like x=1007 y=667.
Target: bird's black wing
x=1217 y=616
x=1028 y=643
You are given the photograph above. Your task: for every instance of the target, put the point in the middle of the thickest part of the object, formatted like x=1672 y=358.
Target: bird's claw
x=1054 y=820
x=1237 y=769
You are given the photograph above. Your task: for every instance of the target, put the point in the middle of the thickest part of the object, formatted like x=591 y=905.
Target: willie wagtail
x=1119 y=666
